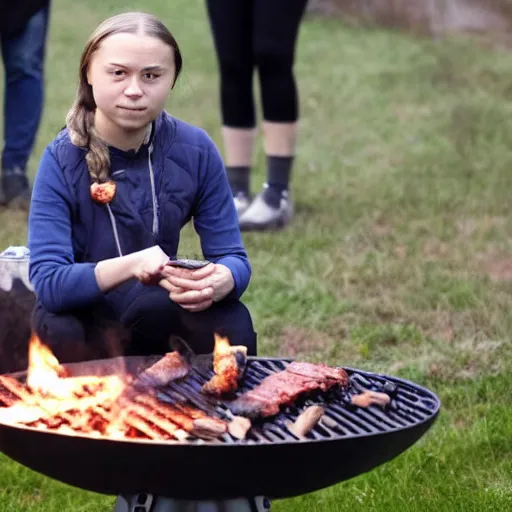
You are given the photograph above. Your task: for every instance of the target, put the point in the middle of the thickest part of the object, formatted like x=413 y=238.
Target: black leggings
x=144 y=328
x=261 y=34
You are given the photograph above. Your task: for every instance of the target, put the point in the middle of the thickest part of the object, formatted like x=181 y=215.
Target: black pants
x=260 y=34
x=143 y=329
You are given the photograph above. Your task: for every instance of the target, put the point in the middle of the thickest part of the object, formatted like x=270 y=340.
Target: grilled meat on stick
x=228 y=365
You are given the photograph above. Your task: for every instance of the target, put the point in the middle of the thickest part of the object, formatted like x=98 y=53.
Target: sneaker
x=260 y=216
x=16 y=191
x=242 y=202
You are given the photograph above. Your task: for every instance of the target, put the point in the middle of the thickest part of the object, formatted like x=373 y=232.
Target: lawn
x=399 y=258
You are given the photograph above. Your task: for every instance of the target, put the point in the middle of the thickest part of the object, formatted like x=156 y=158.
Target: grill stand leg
x=148 y=503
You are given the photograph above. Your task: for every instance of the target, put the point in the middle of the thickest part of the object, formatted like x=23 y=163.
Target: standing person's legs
x=275 y=31
x=23 y=57
x=231 y=25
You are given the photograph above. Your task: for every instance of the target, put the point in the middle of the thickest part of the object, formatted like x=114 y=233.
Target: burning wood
x=101 y=406
x=228 y=365
x=158 y=419
x=6 y=400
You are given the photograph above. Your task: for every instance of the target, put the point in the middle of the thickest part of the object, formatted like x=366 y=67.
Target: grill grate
x=409 y=406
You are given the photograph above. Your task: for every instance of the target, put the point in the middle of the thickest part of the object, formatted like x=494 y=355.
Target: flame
x=58 y=390
x=44 y=370
x=224 y=361
x=225 y=366
x=222 y=345
x=110 y=406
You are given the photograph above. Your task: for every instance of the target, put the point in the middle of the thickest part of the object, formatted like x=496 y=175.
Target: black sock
x=278 y=178
x=238 y=177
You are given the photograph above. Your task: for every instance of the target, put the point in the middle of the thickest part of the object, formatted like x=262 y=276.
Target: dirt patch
x=382 y=230
x=400 y=252
x=497 y=267
x=469 y=226
x=435 y=250
x=443 y=327
x=295 y=341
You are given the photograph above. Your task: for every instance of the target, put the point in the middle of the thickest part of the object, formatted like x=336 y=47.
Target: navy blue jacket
x=176 y=177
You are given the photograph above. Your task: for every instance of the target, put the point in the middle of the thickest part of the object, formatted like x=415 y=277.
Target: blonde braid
x=80 y=124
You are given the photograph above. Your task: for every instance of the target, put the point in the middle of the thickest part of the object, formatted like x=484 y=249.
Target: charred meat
x=228 y=364
x=283 y=388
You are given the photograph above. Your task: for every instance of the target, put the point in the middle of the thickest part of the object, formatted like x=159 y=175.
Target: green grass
x=397 y=255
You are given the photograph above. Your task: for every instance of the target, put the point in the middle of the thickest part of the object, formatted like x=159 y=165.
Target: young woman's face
x=131 y=76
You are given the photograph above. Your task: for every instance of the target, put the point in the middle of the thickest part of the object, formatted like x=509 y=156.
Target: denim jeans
x=23 y=58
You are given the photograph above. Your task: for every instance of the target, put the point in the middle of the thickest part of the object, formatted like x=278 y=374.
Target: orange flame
x=49 y=378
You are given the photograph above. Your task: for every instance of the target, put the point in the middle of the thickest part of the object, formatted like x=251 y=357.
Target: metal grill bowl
x=270 y=462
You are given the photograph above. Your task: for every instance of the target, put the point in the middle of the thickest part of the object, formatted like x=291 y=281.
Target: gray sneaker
x=242 y=202
x=260 y=216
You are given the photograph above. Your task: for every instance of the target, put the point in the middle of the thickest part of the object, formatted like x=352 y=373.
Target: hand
x=149 y=264
x=196 y=290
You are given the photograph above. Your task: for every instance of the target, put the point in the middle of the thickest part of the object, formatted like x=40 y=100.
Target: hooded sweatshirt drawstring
x=154 y=200
x=153 y=192
x=114 y=229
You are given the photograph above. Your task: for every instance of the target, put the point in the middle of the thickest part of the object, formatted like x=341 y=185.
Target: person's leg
x=229 y=318
x=231 y=25
x=153 y=319
x=276 y=27
x=23 y=57
x=67 y=335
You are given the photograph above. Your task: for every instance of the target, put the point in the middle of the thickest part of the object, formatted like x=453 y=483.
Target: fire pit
x=270 y=461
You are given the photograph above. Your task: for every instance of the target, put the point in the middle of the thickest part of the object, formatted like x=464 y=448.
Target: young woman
x=111 y=195
x=258 y=35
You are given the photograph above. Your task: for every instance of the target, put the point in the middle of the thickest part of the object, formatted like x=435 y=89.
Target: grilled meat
x=283 y=388
x=239 y=426
x=228 y=365
x=306 y=421
x=318 y=371
x=367 y=398
x=172 y=366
